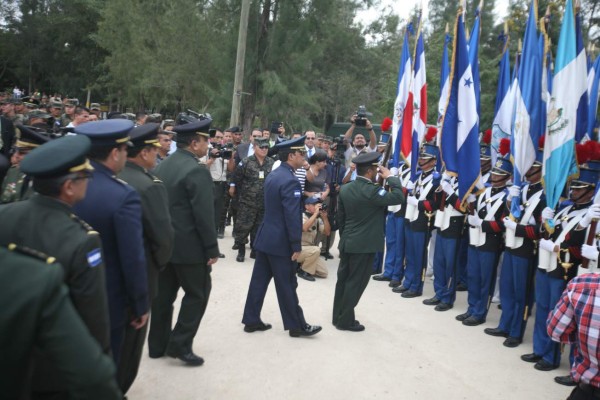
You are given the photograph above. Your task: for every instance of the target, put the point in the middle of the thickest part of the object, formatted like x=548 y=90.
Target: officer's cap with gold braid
x=58 y=157
x=110 y=132
x=30 y=137
x=289 y=146
x=145 y=135
x=363 y=159
x=199 y=127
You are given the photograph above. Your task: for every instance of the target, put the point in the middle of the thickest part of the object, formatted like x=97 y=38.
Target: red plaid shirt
x=576 y=319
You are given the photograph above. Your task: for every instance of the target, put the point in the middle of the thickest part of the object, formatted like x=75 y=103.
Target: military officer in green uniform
x=37 y=313
x=361 y=215
x=158 y=233
x=15 y=186
x=59 y=171
x=189 y=186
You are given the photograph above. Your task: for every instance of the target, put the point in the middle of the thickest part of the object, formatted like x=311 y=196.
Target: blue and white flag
x=460 y=128
x=528 y=103
x=559 y=145
x=503 y=109
x=581 y=88
x=593 y=90
x=474 y=52
x=402 y=95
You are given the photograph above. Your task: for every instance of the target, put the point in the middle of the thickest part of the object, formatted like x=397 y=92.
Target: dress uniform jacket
x=36 y=312
x=113 y=209
x=192 y=217
x=15 y=186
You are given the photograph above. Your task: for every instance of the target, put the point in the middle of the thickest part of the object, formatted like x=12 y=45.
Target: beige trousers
x=311 y=261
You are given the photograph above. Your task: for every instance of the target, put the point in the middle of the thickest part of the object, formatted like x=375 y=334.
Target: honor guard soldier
x=247 y=183
x=158 y=233
x=278 y=245
x=420 y=210
x=560 y=257
x=195 y=250
x=486 y=233
x=37 y=316
x=119 y=222
x=59 y=171
x=361 y=215
x=16 y=185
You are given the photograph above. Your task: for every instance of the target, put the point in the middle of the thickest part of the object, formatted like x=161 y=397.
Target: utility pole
x=238 y=84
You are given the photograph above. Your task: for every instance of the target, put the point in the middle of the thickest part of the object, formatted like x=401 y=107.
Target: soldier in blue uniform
x=278 y=246
x=113 y=208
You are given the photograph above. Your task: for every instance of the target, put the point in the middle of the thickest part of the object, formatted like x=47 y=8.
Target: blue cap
x=485 y=151
x=311 y=200
x=30 y=137
x=588 y=177
x=429 y=150
x=58 y=157
x=503 y=167
x=199 y=127
x=291 y=145
x=110 y=132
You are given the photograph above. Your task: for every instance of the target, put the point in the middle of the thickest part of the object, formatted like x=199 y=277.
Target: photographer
x=359 y=144
x=314 y=223
x=219 y=156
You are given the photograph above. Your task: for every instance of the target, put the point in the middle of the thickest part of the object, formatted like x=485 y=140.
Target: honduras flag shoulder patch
x=381 y=192
x=94 y=258
x=297 y=193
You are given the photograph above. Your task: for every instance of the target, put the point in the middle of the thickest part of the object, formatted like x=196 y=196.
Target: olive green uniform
x=36 y=312
x=15 y=186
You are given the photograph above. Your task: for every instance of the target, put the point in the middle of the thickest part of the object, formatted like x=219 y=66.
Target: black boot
x=241 y=253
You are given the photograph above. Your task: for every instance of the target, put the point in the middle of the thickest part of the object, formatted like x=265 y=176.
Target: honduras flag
x=460 y=129
x=504 y=101
x=580 y=84
x=559 y=146
x=402 y=94
x=528 y=104
x=419 y=91
x=473 y=53
x=593 y=89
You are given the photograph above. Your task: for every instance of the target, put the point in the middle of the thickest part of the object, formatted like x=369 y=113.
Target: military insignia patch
x=381 y=192
x=94 y=258
x=297 y=193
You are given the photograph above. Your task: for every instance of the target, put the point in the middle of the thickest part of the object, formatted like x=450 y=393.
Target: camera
x=225 y=151
x=361 y=116
x=275 y=125
x=323 y=207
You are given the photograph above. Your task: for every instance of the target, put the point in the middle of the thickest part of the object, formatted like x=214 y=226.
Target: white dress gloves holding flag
x=513 y=191
x=547 y=213
x=592 y=213
x=510 y=224
x=547 y=245
x=474 y=220
x=589 y=252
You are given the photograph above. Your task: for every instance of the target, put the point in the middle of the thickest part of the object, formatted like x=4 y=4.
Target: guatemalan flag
x=402 y=100
x=593 y=90
x=559 y=145
x=581 y=85
x=528 y=104
x=419 y=92
x=460 y=128
x=503 y=110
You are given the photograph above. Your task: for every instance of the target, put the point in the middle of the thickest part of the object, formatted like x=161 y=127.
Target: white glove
x=589 y=252
x=446 y=177
x=474 y=220
x=592 y=213
x=547 y=213
x=514 y=191
x=394 y=171
x=471 y=198
x=447 y=187
x=510 y=224
x=412 y=200
x=547 y=245
x=410 y=185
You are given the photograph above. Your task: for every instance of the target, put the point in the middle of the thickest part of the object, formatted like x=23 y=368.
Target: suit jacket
x=113 y=208
x=191 y=201
x=242 y=152
x=7 y=134
x=361 y=214
x=280 y=232
x=156 y=220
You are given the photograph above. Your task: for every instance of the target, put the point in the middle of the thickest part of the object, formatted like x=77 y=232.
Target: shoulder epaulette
x=153 y=177
x=120 y=181
x=31 y=253
x=86 y=226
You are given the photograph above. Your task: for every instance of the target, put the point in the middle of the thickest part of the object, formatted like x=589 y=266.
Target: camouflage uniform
x=12 y=188
x=249 y=179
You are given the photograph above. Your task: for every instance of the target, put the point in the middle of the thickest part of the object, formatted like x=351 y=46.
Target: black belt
x=589 y=389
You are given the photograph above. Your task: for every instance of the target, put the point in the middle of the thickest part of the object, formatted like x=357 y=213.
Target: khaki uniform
x=309 y=257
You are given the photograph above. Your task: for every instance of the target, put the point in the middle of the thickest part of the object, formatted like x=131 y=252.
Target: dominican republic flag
x=402 y=101
x=593 y=89
x=581 y=87
x=419 y=93
x=528 y=105
x=559 y=145
x=444 y=85
x=473 y=53
x=504 y=102
x=460 y=128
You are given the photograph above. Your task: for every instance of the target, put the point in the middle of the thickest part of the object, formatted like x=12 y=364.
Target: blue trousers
x=548 y=291
x=377 y=263
x=283 y=272
x=481 y=268
x=463 y=255
x=416 y=256
x=444 y=261
x=513 y=294
x=394 y=245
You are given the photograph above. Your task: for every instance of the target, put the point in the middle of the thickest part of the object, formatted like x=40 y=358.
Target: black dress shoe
x=544 y=365
x=394 y=284
x=305 y=275
x=252 y=254
x=235 y=246
x=496 y=332
x=565 y=380
x=461 y=287
x=434 y=301
x=512 y=341
x=327 y=255
x=443 y=307
x=257 y=327
x=156 y=355
x=399 y=289
x=409 y=294
x=239 y=258
x=381 y=278
x=221 y=255
x=188 y=358
x=356 y=327
x=462 y=317
x=473 y=321
x=307 y=330
x=531 y=357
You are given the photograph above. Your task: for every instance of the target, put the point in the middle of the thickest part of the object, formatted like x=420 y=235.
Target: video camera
x=225 y=151
x=187 y=116
x=275 y=125
x=361 y=116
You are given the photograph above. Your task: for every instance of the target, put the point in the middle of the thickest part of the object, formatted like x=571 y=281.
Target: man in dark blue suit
x=278 y=245
x=113 y=208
